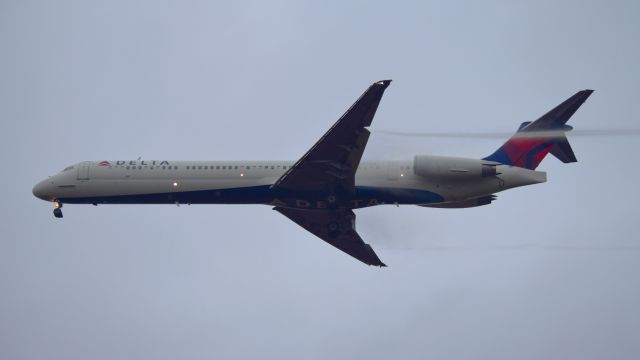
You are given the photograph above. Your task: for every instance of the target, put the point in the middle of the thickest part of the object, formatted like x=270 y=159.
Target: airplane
x=321 y=189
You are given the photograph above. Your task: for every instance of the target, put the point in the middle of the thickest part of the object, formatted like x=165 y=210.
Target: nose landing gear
x=57 y=212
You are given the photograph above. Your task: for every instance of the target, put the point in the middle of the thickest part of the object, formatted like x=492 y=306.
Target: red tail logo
x=104 y=163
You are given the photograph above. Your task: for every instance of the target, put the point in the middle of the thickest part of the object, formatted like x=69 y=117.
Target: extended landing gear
x=57 y=212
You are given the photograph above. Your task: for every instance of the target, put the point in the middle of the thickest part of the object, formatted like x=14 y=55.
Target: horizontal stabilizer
x=524 y=125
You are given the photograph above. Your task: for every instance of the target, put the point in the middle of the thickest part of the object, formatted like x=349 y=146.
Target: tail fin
x=534 y=140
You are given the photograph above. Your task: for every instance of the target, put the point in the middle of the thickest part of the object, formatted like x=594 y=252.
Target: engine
x=452 y=168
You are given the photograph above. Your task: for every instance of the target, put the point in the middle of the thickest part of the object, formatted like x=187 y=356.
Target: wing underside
x=337 y=228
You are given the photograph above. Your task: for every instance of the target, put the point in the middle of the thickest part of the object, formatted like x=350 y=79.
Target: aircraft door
x=83 y=170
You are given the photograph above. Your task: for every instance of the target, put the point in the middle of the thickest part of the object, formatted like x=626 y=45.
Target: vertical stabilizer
x=533 y=141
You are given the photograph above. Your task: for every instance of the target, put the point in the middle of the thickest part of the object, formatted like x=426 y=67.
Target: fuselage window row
x=203 y=167
x=150 y=167
x=224 y=167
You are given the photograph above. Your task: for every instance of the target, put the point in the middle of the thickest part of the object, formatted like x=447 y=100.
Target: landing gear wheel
x=57 y=212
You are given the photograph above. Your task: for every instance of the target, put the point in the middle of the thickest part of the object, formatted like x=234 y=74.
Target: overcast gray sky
x=549 y=271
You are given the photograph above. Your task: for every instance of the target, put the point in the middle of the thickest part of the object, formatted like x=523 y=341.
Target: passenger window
x=187 y=167
x=199 y=167
x=218 y=167
x=235 y=167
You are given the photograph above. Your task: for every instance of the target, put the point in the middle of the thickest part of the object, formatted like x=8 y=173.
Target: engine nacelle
x=452 y=168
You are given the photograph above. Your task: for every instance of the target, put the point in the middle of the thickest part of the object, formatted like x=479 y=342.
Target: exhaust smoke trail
x=502 y=135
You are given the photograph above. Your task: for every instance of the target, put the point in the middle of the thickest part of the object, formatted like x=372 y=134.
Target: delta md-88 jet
x=321 y=189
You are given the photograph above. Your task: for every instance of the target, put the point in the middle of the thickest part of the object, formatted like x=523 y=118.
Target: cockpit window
x=67 y=168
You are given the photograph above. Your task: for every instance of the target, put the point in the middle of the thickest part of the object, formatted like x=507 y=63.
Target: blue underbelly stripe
x=364 y=196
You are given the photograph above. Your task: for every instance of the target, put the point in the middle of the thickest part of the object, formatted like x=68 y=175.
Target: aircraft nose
x=42 y=190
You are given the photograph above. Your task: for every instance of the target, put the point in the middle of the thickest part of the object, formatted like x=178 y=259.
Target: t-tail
x=534 y=140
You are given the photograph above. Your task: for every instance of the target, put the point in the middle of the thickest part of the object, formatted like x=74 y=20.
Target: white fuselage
x=426 y=180
x=319 y=191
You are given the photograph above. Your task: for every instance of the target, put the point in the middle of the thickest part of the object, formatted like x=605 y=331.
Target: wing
x=332 y=162
x=336 y=227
